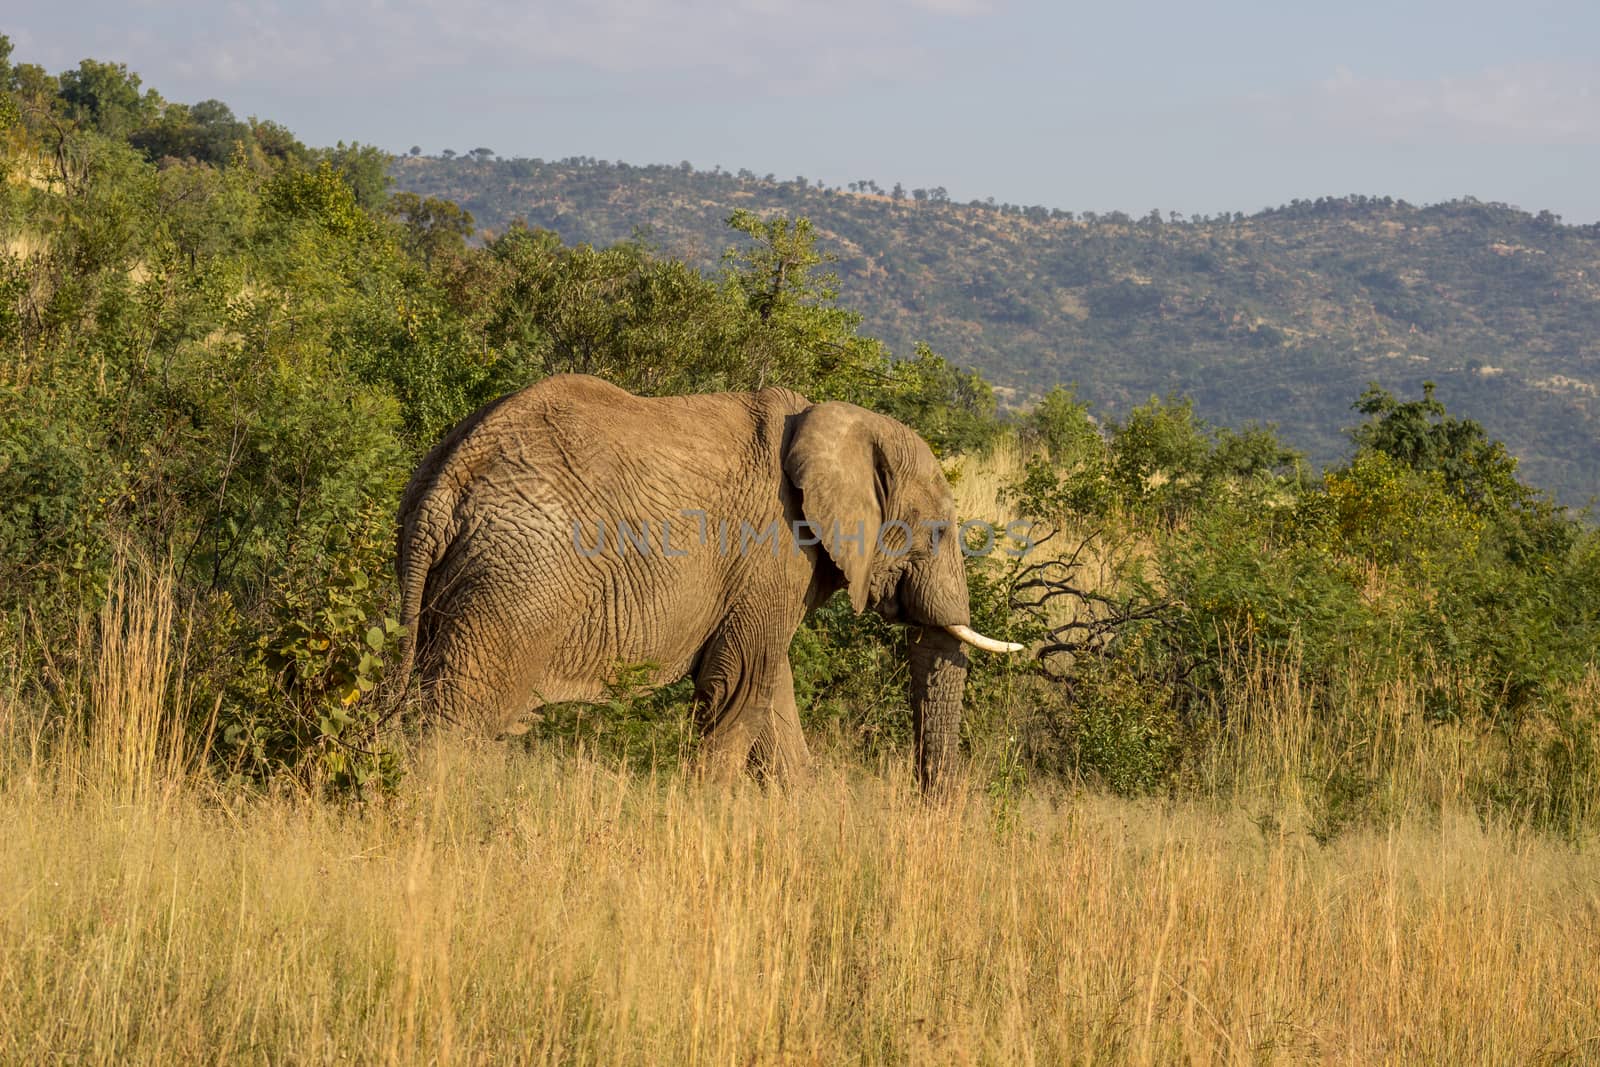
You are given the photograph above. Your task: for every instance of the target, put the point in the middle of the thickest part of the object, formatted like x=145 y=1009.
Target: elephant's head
x=879 y=503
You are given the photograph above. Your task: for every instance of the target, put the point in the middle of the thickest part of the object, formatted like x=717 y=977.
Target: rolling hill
x=1280 y=316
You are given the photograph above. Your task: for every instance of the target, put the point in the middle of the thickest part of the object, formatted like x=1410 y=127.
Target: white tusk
x=977 y=640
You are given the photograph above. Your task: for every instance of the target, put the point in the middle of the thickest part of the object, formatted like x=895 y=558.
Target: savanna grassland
x=546 y=906
x=1300 y=765
x=555 y=903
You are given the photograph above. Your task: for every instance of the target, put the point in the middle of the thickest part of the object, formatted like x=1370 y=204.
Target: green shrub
x=304 y=698
x=1060 y=423
x=1047 y=493
x=1123 y=730
x=638 y=725
x=850 y=679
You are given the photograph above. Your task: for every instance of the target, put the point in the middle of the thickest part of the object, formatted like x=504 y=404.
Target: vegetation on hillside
x=1283 y=315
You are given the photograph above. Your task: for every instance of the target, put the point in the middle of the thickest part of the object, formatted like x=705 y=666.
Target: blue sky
x=1197 y=107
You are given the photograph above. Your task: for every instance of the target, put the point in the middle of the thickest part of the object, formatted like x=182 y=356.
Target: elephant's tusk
x=977 y=640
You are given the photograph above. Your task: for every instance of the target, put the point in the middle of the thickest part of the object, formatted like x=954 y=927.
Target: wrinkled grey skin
x=508 y=614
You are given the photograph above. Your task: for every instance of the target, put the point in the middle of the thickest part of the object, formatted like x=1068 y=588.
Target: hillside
x=1281 y=316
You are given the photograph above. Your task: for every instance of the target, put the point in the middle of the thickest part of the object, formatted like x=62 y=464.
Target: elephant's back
x=554 y=465
x=676 y=449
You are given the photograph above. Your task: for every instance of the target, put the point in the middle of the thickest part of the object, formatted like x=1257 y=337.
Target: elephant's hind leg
x=477 y=686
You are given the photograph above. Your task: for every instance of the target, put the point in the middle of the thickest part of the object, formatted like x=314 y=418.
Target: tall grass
x=114 y=724
x=135 y=741
x=545 y=906
x=505 y=908
x=1360 y=746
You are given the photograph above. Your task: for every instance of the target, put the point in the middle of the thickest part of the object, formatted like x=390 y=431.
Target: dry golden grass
x=980 y=482
x=513 y=908
x=23 y=245
x=509 y=906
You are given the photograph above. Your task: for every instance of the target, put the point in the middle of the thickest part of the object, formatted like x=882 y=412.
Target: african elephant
x=571 y=527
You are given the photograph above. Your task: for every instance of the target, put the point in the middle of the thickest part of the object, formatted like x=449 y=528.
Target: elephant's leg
x=780 y=750
x=728 y=703
x=479 y=686
x=746 y=711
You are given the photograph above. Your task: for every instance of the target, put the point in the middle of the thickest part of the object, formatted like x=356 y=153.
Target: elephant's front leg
x=746 y=712
x=780 y=746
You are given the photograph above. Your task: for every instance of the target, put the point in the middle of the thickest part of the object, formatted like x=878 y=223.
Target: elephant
x=572 y=527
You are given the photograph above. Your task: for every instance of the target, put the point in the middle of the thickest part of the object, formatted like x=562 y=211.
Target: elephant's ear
x=836 y=462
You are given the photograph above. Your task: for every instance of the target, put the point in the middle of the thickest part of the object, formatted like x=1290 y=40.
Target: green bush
x=1060 y=423
x=642 y=727
x=304 y=697
x=1122 y=729
x=850 y=679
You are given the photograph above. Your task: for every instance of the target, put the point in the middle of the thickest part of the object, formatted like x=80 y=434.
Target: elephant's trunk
x=938 y=676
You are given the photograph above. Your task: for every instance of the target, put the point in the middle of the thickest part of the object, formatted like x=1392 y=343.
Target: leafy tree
x=952 y=408
x=364 y=168
x=1161 y=448
x=1530 y=529
x=106 y=97
x=1422 y=435
x=1061 y=423
x=1251 y=452
x=797 y=337
x=206 y=133
x=275 y=144
x=10 y=115
x=434 y=228
x=319 y=197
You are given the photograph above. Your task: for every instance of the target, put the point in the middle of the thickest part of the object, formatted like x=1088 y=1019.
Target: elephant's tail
x=420 y=547
x=413 y=580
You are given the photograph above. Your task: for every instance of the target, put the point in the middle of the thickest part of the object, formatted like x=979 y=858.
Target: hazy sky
x=1126 y=104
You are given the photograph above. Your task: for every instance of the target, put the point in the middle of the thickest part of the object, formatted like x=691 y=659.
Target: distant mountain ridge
x=1281 y=316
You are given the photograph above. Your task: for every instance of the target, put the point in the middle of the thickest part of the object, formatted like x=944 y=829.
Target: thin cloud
x=770 y=43
x=761 y=45
x=1524 y=104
